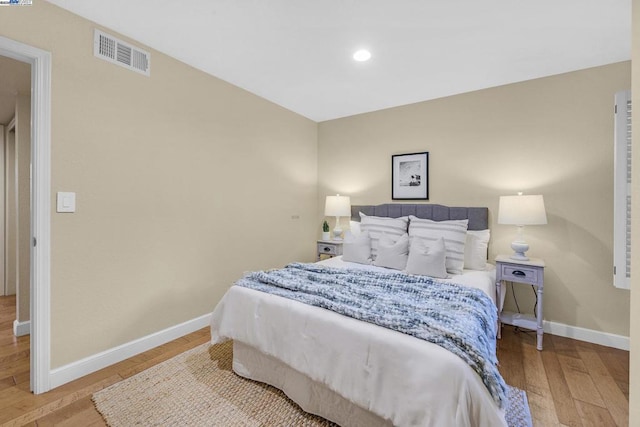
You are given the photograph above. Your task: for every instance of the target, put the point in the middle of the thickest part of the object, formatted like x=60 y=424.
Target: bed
x=356 y=373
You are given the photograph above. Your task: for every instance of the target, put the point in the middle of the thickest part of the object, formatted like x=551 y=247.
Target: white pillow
x=354 y=228
x=475 y=249
x=392 y=253
x=427 y=258
x=454 y=233
x=357 y=249
x=375 y=226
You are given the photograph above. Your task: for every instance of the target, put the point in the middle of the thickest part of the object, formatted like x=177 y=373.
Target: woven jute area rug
x=199 y=388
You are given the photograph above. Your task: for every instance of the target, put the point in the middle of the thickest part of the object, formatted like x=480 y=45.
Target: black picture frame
x=410 y=176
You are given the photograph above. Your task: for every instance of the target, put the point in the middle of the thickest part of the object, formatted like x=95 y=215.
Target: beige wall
x=551 y=136
x=634 y=380
x=23 y=146
x=183 y=182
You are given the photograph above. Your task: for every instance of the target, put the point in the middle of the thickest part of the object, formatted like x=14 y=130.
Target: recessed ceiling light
x=362 y=55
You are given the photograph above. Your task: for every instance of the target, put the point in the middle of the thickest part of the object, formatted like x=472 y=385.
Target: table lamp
x=521 y=210
x=337 y=206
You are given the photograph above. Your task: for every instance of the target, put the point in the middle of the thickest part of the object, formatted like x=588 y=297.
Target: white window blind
x=622 y=191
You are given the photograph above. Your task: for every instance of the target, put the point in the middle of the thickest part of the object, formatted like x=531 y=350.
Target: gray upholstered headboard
x=478 y=217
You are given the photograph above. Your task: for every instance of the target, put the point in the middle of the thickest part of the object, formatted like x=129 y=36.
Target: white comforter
x=400 y=378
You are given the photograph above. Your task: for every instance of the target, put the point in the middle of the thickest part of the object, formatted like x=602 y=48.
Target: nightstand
x=329 y=247
x=531 y=273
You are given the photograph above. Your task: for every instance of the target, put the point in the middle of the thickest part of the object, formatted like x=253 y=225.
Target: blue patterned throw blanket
x=455 y=317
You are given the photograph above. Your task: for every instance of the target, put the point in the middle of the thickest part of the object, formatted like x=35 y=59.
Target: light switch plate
x=66 y=201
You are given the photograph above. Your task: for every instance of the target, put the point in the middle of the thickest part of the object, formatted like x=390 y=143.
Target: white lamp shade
x=337 y=206
x=522 y=210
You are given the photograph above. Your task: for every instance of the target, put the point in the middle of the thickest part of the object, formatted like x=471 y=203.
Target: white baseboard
x=80 y=368
x=21 y=328
x=589 y=335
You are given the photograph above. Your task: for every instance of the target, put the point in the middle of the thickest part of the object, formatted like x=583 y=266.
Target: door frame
x=40 y=254
x=10 y=188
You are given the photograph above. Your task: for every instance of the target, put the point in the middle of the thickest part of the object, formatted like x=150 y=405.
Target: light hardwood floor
x=570 y=383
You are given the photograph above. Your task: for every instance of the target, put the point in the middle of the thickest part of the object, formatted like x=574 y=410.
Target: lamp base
x=519 y=248
x=337 y=230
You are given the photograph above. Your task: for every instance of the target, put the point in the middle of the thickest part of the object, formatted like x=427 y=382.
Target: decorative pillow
x=454 y=233
x=475 y=249
x=375 y=226
x=392 y=253
x=354 y=228
x=427 y=258
x=357 y=249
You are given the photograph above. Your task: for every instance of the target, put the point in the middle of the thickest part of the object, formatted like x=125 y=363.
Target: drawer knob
x=327 y=249
x=518 y=273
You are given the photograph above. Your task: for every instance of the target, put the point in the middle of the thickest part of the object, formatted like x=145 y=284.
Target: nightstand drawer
x=519 y=273
x=328 y=249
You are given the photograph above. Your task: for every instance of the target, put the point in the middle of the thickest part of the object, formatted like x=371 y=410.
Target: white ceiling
x=297 y=53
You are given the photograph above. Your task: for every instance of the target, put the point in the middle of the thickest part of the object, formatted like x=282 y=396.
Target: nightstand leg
x=540 y=331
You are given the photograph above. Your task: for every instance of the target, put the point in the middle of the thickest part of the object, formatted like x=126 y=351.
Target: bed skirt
x=310 y=395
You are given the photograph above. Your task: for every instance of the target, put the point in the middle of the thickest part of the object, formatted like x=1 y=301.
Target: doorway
x=40 y=229
x=15 y=114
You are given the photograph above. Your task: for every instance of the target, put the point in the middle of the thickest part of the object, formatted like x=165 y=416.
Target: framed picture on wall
x=410 y=176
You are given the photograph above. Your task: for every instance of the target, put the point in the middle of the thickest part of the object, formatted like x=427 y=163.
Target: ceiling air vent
x=122 y=53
